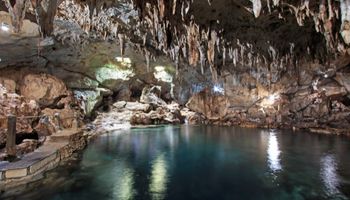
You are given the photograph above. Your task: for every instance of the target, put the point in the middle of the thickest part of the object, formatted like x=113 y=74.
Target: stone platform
x=58 y=147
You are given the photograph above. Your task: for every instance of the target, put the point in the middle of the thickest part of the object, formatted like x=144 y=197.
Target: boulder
x=89 y=100
x=124 y=94
x=43 y=88
x=9 y=84
x=344 y=80
x=151 y=95
x=27 y=146
x=191 y=117
x=136 y=106
x=162 y=115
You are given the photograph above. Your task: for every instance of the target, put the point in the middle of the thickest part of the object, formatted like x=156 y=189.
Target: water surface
x=203 y=162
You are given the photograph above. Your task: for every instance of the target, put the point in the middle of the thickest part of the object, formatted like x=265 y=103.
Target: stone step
x=65 y=135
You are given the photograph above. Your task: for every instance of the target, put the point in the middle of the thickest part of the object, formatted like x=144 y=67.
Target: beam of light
x=217 y=88
x=5 y=27
x=273 y=153
x=329 y=174
x=159 y=178
x=162 y=75
x=112 y=71
x=123 y=60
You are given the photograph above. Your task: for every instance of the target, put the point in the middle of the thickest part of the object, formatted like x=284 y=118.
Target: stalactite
x=177 y=58
x=147 y=56
x=174 y=7
x=192 y=38
x=46 y=11
x=257 y=7
x=224 y=55
x=17 y=12
x=345 y=19
x=161 y=7
x=121 y=38
x=211 y=54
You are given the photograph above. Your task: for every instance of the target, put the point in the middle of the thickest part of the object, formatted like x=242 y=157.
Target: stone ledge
x=16 y=173
x=41 y=160
x=35 y=167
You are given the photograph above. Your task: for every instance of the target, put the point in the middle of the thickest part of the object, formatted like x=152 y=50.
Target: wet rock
x=191 y=117
x=162 y=115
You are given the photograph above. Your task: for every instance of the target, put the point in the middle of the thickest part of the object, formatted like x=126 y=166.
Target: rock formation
x=250 y=63
x=41 y=99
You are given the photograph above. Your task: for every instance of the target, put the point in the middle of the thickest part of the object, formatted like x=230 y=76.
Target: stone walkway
x=58 y=147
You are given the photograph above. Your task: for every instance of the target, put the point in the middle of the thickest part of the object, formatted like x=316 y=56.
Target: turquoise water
x=203 y=162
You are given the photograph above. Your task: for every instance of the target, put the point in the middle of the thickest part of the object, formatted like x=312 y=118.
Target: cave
x=174 y=99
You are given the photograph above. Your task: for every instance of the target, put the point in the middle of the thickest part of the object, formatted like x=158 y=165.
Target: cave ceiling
x=199 y=32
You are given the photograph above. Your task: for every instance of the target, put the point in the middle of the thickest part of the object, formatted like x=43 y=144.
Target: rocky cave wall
x=266 y=63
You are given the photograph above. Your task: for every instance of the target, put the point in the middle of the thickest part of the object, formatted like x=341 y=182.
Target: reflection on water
x=329 y=174
x=203 y=162
x=273 y=153
x=123 y=188
x=159 y=178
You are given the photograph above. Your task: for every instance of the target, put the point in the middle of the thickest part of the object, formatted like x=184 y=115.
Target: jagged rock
x=124 y=94
x=344 y=80
x=91 y=99
x=213 y=106
x=43 y=88
x=151 y=95
x=162 y=115
x=135 y=106
x=191 y=117
x=9 y=84
x=27 y=146
x=46 y=126
x=11 y=103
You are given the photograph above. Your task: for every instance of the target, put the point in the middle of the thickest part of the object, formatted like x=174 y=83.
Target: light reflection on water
x=204 y=162
x=273 y=153
x=158 y=183
x=124 y=183
x=329 y=174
